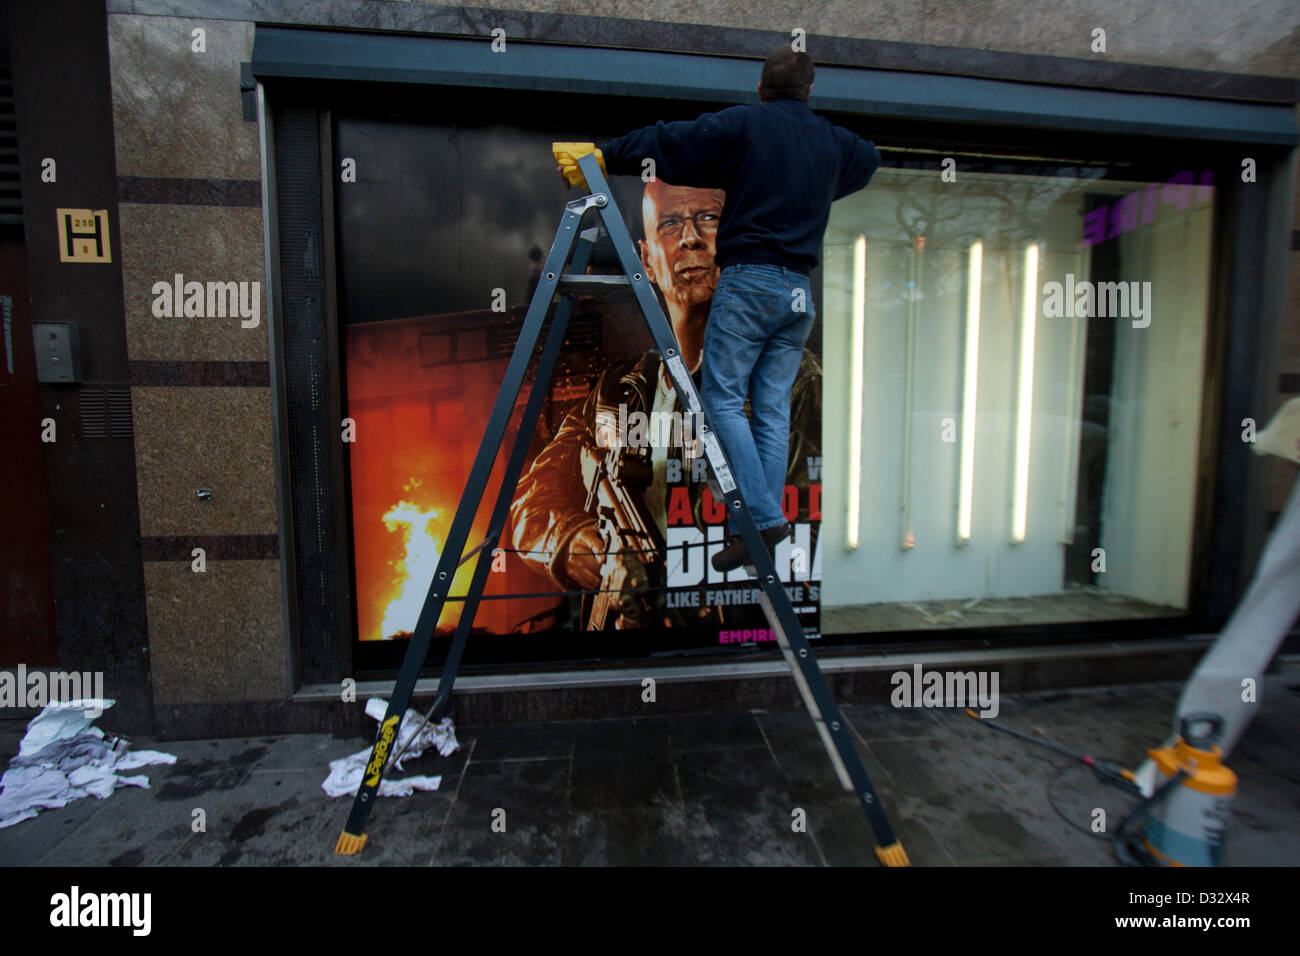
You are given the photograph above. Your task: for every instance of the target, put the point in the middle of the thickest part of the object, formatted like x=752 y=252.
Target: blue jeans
x=753 y=345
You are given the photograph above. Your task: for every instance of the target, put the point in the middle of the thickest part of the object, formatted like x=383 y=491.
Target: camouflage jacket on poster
x=547 y=511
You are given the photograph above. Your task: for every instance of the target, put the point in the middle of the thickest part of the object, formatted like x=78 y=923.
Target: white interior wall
x=1147 y=506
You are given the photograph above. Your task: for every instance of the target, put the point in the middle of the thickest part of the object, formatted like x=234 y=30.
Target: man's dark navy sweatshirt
x=781 y=166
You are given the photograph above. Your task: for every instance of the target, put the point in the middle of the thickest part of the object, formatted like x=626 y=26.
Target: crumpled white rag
x=345 y=774
x=62 y=758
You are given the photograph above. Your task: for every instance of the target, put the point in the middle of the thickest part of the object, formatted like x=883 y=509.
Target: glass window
x=1014 y=373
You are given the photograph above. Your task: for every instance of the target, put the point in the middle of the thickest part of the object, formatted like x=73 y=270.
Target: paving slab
x=747 y=789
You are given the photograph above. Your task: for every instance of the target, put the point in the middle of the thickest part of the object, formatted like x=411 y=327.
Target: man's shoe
x=735 y=554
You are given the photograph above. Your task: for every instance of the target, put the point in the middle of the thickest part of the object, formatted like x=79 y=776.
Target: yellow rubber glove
x=567 y=156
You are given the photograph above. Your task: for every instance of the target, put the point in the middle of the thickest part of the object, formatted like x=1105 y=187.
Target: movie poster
x=612 y=524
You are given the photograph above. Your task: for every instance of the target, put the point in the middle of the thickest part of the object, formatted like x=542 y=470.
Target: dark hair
x=786 y=75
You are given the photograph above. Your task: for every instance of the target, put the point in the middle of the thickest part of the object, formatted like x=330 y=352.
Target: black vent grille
x=11 y=190
x=306 y=389
x=106 y=412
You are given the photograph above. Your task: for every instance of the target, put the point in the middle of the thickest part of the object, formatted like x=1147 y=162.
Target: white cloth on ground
x=345 y=774
x=62 y=758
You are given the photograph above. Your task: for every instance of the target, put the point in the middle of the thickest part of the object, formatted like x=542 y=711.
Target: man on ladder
x=781 y=167
x=810 y=171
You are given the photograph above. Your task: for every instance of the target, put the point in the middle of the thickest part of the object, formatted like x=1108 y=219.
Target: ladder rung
x=597 y=280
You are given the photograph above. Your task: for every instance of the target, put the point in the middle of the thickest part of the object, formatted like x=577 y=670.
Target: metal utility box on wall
x=58 y=357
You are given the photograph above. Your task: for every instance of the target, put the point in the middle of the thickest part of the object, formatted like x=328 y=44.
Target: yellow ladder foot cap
x=349 y=844
x=893 y=855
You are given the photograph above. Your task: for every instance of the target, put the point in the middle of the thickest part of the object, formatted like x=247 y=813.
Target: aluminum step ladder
x=571 y=241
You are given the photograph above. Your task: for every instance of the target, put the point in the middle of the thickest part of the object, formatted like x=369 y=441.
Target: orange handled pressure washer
x=1187 y=814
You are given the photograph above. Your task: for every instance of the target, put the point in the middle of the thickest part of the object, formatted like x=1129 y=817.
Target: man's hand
x=586 y=555
x=592 y=568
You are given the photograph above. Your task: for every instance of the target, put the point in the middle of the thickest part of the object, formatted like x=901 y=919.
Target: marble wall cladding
x=204 y=244
x=1262 y=36
x=1258 y=36
x=177 y=112
x=217 y=635
x=902 y=20
x=188 y=439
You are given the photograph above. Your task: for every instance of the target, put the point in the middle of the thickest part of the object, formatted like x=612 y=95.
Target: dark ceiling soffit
x=320 y=54
x=1093 y=73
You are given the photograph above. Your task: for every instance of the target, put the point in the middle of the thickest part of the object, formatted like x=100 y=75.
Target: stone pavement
x=682 y=790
